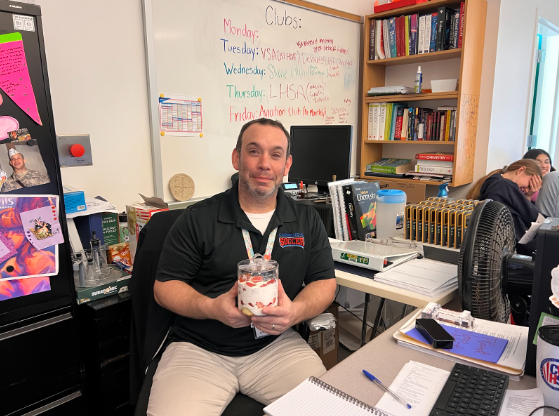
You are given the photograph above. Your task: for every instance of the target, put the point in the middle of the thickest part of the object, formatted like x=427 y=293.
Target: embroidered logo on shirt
x=292 y=240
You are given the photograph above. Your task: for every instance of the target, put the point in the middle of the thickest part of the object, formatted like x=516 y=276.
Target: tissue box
x=138 y=215
x=74 y=200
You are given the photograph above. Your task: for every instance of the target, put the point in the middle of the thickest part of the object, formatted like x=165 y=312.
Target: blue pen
x=376 y=380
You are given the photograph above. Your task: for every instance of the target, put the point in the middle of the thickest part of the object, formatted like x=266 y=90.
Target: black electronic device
x=320 y=153
x=546 y=260
x=434 y=333
x=472 y=391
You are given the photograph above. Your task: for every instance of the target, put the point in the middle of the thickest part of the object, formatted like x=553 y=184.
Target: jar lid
x=549 y=334
x=257 y=264
x=391 y=196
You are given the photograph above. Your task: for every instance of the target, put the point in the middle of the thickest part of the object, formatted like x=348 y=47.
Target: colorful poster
x=180 y=115
x=11 y=289
x=14 y=75
x=28 y=261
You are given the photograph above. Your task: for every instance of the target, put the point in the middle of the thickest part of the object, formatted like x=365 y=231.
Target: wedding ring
x=273 y=326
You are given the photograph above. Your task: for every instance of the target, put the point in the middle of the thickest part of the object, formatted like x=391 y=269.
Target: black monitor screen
x=319 y=152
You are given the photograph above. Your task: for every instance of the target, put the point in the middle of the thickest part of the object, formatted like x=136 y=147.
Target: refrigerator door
x=24 y=20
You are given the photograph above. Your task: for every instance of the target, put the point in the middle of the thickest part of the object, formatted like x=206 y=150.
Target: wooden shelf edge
x=426 y=57
x=412 y=97
x=382 y=178
x=437 y=142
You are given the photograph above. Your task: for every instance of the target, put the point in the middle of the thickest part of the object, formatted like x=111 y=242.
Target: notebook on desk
x=314 y=397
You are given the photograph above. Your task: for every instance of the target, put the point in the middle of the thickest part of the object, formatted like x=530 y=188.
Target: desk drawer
x=113 y=335
x=40 y=361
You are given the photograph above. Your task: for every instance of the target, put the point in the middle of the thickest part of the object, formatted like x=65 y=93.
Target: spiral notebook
x=314 y=397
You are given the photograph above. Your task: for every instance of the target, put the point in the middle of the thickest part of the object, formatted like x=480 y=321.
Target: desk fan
x=490 y=275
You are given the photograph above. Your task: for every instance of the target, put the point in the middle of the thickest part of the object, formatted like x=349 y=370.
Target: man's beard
x=257 y=193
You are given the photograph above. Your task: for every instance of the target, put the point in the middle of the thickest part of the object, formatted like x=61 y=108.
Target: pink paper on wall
x=14 y=75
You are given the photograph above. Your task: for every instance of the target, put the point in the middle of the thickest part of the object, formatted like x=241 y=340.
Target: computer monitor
x=545 y=261
x=319 y=153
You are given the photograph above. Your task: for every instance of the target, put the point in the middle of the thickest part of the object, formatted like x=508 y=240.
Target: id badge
x=258 y=333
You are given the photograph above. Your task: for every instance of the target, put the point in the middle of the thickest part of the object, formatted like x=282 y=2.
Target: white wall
x=96 y=67
x=95 y=55
x=513 y=77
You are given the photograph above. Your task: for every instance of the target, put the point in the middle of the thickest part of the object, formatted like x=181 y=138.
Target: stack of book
x=354 y=208
x=394 y=168
x=398 y=121
x=416 y=34
x=433 y=166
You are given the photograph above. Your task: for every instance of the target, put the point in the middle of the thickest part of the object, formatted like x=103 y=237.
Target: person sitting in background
x=548 y=199
x=543 y=159
x=503 y=185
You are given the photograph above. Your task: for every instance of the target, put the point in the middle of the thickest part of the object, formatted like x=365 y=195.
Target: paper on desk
x=522 y=402
x=469 y=344
x=419 y=384
x=94 y=206
x=514 y=356
x=427 y=277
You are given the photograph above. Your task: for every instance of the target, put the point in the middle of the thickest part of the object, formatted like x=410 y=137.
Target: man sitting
x=214 y=351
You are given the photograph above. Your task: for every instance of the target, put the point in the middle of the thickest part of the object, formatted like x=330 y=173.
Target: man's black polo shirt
x=206 y=243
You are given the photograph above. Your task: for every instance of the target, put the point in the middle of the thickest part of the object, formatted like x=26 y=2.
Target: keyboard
x=470 y=391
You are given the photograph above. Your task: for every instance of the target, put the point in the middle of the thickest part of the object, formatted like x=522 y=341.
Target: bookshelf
x=466 y=99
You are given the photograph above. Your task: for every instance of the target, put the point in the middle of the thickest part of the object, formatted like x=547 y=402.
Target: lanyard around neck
x=269 y=246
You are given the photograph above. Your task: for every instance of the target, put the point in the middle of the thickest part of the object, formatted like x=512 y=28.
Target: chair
x=150 y=322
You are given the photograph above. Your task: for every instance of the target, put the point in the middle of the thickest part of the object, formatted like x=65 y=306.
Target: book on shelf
x=372 y=40
x=428 y=176
x=461 y=24
x=381 y=121
x=421 y=34
x=379 y=40
x=442 y=163
x=388 y=165
x=416 y=33
x=433 y=37
x=370 y=123
x=392 y=36
x=435 y=156
x=441 y=170
x=413 y=36
x=385 y=38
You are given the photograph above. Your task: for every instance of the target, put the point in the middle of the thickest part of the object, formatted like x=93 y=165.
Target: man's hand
x=535 y=185
x=279 y=318
x=224 y=310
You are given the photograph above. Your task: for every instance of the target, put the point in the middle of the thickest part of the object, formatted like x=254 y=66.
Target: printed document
x=419 y=384
x=522 y=402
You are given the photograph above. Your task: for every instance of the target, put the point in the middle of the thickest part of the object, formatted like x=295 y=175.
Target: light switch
x=74 y=150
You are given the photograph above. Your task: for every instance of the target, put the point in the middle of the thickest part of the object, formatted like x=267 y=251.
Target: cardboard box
x=138 y=215
x=87 y=294
x=74 y=200
x=325 y=343
x=415 y=192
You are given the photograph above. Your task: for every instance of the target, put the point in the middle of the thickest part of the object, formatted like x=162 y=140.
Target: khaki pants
x=192 y=381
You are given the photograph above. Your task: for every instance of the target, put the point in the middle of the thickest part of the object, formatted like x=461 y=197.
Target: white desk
x=385 y=358
x=371 y=287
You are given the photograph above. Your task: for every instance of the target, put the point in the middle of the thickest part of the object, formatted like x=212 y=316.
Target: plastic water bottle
x=443 y=190
x=418 y=80
x=390 y=213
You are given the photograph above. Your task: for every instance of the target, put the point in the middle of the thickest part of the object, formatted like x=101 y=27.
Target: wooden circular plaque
x=182 y=187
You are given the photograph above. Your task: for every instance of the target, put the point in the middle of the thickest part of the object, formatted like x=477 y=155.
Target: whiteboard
x=245 y=59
